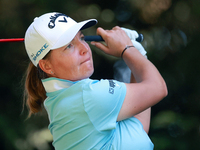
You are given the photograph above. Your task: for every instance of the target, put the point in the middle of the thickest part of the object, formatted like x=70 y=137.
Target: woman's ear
x=45 y=66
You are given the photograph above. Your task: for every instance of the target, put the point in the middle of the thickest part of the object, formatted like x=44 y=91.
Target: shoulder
x=104 y=94
x=102 y=101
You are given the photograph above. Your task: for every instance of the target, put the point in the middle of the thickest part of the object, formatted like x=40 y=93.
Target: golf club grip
x=98 y=38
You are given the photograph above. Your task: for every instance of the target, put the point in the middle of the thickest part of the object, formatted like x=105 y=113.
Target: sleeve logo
x=112 y=86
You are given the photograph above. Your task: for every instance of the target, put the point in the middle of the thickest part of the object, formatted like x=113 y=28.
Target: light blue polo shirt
x=83 y=116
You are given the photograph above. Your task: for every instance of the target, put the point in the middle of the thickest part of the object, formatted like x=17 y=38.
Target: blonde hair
x=34 y=92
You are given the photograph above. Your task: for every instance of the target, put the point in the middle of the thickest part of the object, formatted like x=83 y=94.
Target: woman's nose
x=83 y=47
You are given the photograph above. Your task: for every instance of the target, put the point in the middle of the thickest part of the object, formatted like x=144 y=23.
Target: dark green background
x=171 y=37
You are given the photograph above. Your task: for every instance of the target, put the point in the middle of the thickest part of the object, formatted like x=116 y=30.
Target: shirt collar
x=55 y=84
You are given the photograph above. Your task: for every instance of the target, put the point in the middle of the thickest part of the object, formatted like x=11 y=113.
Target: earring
x=51 y=72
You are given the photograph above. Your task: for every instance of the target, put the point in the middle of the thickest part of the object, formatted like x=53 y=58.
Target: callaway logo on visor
x=51 y=24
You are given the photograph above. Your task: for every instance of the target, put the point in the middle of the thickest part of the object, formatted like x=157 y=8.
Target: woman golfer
x=89 y=114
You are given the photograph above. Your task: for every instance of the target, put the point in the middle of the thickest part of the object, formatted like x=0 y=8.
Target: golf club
x=87 y=38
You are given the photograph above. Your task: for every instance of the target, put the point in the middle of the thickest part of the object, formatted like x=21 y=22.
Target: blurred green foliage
x=172 y=34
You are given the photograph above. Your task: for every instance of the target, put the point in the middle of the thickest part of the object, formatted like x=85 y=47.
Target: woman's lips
x=88 y=59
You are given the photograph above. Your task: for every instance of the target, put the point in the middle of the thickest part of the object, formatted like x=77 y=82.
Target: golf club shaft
x=12 y=40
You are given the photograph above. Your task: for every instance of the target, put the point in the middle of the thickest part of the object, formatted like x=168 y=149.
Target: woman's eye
x=68 y=46
x=82 y=38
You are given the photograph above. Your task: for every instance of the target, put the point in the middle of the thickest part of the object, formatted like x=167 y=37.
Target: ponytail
x=34 y=92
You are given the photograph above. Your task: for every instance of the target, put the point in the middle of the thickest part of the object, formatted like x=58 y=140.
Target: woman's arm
x=144 y=116
x=149 y=88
